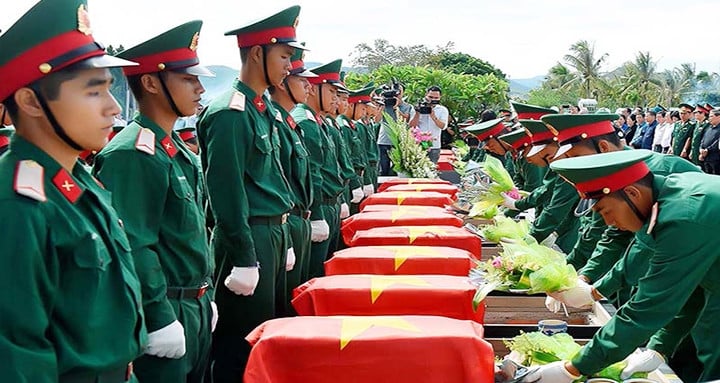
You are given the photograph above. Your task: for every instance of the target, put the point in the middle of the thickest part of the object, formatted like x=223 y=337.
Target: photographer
x=431 y=117
x=395 y=107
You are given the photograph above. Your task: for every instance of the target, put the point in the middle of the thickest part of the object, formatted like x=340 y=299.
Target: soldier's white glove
x=368 y=190
x=243 y=280
x=643 y=361
x=344 y=211
x=578 y=296
x=508 y=201
x=215 y=316
x=357 y=195
x=319 y=231
x=554 y=372
x=167 y=342
x=290 y=260
x=552 y=304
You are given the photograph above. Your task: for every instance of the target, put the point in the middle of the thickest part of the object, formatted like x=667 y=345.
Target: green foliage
x=383 y=53
x=463 y=63
x=462 y=94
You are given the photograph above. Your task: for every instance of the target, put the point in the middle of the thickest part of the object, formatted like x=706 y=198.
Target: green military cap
x=702 y=109
x=573 y=128
x=529 y=112
x=518 y=138
x=51 y=36
x=361 y=96
x=540 y=135
x=598 y=175
x=276 y=29
x=344 y=88
x=487 y=129
x=174 y=50
x=709 y=107
x=328 y=74
x=297 y=63
x=684 y=105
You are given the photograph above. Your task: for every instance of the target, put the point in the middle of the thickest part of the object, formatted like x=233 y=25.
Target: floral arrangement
x=407 y=155
x=487 y=202
x=524 y=268
x=424 y=139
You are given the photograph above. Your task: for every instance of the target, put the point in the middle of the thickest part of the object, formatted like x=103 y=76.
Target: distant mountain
x=521 y=86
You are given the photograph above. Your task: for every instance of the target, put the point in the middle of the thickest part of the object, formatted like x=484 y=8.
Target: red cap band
x=356 y=99
x=25 y=68
x=530 y=115
x=521 y=142
x=4 y=141
x=494 y=131
x=542 y=136
x=325 y=77
x=615 y=181
x=297 y=64
x=187 y=135
x=150 y=63
x=590 y=130
x=266 y=37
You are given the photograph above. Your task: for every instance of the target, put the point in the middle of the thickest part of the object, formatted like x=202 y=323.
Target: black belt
x=119 y=375
x=276 y=220
x=186 y=292
x=304 y=214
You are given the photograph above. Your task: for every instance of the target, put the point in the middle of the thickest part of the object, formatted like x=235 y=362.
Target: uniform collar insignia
x=169 y=146
x=64 y=182
x=237 y=102
x=29 y=182
x=259 y=103
x=290 y=121
x=653 y=217
x=145 y=141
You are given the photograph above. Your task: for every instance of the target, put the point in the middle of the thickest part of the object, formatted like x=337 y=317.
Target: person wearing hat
x=292 y=91
x=71 y=310
x=157 y=188
x=629 y=196
x=528 y=177
x=353 y=133
x=352 y=191
x=364 y=110
x=487 y=134
x=372 y=122
x=323 y=154
x=701 y=124
x=249 y=197
x=599 y=246
x=682 y=132
x=709 y=148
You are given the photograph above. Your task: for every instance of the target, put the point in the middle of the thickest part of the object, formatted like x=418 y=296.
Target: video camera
x=391 y=92
x=425 y=106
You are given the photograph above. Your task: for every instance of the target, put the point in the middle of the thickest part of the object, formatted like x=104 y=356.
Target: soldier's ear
x=150 y=83
x=256 y=54
x=28 y=103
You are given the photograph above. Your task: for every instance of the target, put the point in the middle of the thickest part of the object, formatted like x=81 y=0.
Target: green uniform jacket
x=681 y=132
x=539 y=196
x=372 y=136
x=363 y=135
x=72 y=301
x=324 y=169
x=557 y=215
x=295 y=160
x=688 y=206
x=160 y=198
x=342 y=148
x=528 y=177
x=509 y=163
x=697 y=136
x=356 y=148
x=592 y=227
x=615 y=242
x=240 y=156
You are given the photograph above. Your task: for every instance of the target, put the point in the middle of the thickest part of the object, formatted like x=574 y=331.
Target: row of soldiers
x=627 y=221
x=114 y=268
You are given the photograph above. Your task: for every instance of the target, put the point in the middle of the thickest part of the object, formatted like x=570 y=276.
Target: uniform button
x=120 y=222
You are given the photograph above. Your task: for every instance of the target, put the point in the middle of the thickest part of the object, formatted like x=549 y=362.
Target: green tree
x=463 y=63
x=383 y=53
x=642 y=81
x=675 y=83
x=547 y=97
x=587 y=67
x=464 y=95
x=559 y=77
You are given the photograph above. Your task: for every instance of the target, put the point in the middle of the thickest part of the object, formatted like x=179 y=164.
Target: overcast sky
x=524 y=38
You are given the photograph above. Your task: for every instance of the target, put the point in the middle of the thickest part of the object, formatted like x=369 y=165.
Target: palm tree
x=641 y=77
x=674 y=84
x=587 y=66
x=558 y=77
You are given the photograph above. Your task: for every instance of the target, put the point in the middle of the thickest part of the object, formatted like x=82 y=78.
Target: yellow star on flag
x=402 y=254
x=378 y=283
x=354 y=326
x=406 y=211
x=416 y=231
x=401 y=197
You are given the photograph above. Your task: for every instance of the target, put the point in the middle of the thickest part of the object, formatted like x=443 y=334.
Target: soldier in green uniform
x=354 y=133
x=682 y=132
x=327 y=179
x=158 y=190
x=558 y=198
x=372 y=122
x=667 y=208
x=487 y=134
x=249 y=196
x=294 y=156
x=71 y=310
x=701 y=124
x=528 y=177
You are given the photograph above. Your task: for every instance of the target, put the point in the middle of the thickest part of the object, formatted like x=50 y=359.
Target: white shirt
x=667 y=135
x=659 y=131
x=426 y=124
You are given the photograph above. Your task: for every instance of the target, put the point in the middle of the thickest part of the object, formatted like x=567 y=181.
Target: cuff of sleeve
x=584 y=363
x=158 y=315
x=521 y=205
x=240 y=251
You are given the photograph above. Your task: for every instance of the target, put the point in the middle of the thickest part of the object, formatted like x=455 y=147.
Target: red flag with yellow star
x=408 y=198
x=426 y=209
x=404 y=216
x=364 y=295
x=400 y=260
x=450 y=190
x=397 y=349
x=409 y=181
x=451 y=236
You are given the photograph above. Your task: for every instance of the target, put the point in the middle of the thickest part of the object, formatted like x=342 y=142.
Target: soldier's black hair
x=135 y=86
x=592 y=142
